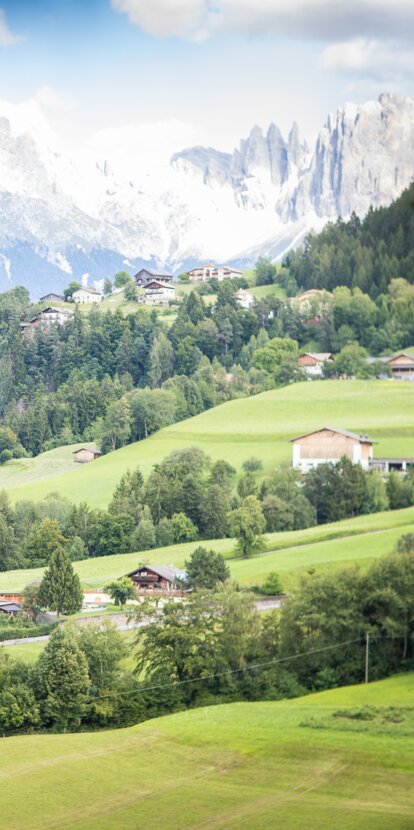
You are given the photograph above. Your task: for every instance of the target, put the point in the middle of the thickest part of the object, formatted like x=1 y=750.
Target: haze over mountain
x=88 y=214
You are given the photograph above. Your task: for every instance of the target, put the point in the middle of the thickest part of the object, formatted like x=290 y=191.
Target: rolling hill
x=259 y=426
x=305 y=763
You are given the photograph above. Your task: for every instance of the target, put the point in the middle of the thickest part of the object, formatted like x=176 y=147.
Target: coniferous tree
x=62 y=681
x=60 y=589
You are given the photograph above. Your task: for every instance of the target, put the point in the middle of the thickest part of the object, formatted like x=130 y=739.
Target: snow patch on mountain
x=120 y=202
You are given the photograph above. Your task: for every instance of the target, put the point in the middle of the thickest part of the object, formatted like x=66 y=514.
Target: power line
x=175 y=683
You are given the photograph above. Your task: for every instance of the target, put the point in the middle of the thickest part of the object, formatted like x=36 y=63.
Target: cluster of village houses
x=156 y=290
x=159 y=290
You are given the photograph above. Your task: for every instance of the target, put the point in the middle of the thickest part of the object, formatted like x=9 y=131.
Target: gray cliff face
x=363 y=156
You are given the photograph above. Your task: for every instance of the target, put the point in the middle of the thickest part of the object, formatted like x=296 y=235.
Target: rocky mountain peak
x=65 y=216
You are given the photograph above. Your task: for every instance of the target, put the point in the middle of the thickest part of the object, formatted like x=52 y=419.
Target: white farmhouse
x=82 y=296
x=158 y=293
x=312 y=362
x=329 y=445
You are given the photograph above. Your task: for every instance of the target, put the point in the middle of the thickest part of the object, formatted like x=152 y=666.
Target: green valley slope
x=260 y=426
x=291 y=554
x=254 y=766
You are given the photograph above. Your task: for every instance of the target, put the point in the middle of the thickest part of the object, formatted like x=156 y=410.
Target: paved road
x=121 y=622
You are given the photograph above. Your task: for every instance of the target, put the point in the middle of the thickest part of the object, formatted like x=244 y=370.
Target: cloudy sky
x=189 y=71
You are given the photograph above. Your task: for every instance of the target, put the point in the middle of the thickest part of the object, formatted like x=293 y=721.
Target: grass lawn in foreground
x=260 y=426
x=291 y=554
x=251 y=766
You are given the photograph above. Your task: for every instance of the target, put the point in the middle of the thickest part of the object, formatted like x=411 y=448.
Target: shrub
x=16 y=630
x=272 y=585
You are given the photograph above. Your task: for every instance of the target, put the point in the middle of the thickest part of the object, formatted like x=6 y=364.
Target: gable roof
x=152 y=274
x=52 y=294
x=10 y=607
x=363 y=439
x=164 y=571
x=52 y=308
x=88 y=290
x=157 y=284
x=410 y=356
x=87 y=449
x=322 y=356
x=203 y=267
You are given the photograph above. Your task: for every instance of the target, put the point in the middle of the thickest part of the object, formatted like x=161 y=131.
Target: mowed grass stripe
x=260 y=426
x=244 y=765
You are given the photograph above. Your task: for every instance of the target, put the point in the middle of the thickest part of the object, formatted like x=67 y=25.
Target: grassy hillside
x=259 y=426
x=244 y=765
x=48 y=464
x=291 y=553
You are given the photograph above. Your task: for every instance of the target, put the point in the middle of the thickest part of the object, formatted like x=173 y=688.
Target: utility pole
x=367 y=657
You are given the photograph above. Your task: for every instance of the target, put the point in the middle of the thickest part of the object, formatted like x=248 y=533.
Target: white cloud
x=164 y=18
x=50 y=98
x=316 y=19
x=135 y=149
x=369 y=58
x=7 y=38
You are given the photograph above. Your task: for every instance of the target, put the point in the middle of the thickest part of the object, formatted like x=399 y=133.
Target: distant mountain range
x=64 y=217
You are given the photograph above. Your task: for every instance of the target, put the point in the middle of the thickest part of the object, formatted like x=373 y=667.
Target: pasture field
x=273 y=290
x=291 y=554
x=29 y=652
x=260 y=426
x=304 y=763
x=47 y=464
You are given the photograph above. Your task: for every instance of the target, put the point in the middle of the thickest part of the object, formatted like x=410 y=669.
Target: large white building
x=83 y=296
x=329 y=445
x=212 y=271
x=157 y=293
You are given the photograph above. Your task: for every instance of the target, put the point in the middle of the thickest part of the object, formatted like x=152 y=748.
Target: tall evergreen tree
x=62 y=681
x=60 y=589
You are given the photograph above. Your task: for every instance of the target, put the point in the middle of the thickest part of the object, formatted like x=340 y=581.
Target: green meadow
x=291 y=554
x=314 y=762
x=260 y=426
x=274 y=290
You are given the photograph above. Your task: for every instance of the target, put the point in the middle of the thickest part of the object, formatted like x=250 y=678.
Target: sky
x=183 y=72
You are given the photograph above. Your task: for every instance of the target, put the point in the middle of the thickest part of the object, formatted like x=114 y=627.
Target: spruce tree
x=62 y=681
x=60 y=589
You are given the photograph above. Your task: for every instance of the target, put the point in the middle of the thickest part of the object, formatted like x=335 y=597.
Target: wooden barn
x=157 y=579
x=86 y=454
x=52 y=298
x=329 y=445
x=402 y=366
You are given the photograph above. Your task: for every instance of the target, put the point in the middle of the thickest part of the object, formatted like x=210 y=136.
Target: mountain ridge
x=83 y=215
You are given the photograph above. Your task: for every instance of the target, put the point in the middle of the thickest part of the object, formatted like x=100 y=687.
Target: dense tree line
x=214 y=646
x=188 y=497
x=365 y=254
x=116 y=379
